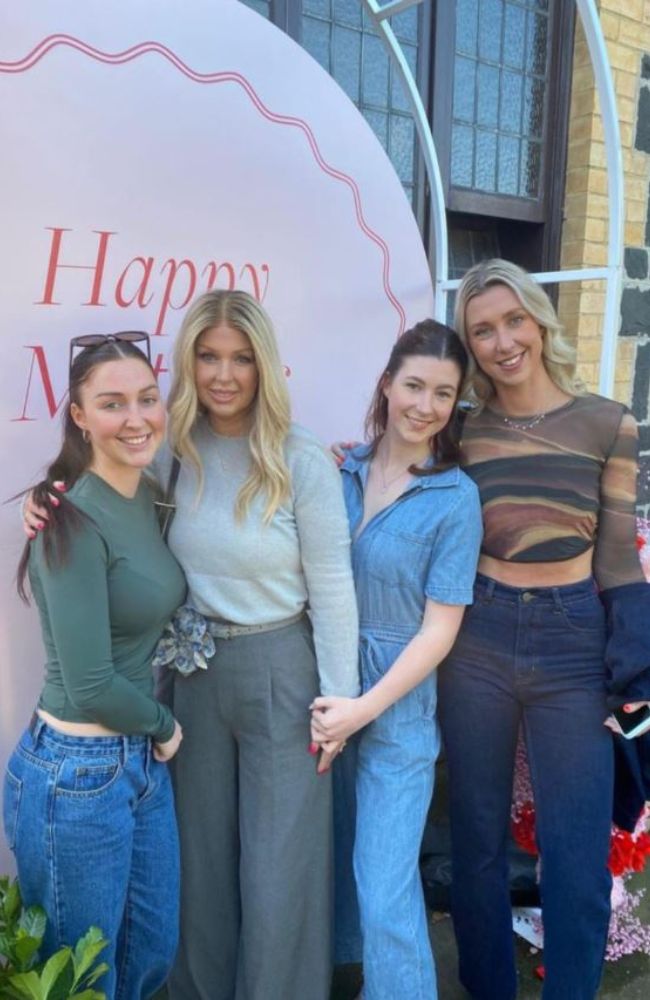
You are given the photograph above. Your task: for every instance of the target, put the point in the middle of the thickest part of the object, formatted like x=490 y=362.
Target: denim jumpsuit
x=423 y=545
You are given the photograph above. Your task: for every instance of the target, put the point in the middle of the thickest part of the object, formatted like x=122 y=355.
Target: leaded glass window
x=499 y=78
x=341 y=37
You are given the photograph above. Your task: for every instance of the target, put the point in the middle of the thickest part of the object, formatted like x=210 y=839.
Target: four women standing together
x=261 y=534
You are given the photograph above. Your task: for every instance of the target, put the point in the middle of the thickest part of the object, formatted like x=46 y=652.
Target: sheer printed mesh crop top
x=553 y=489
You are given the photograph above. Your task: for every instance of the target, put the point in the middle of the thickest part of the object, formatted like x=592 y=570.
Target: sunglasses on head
x=98 y=339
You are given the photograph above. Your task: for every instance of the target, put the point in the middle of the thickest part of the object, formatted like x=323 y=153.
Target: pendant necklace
x=387 y=483
x=523 y=425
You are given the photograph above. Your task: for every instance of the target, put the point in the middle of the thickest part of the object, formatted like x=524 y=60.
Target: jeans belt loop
x=125 y=750
x=557 y=600
x=35 y=727
x=489 y=590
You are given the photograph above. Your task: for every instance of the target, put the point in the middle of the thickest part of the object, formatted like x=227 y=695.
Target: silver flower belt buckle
x=186 y=644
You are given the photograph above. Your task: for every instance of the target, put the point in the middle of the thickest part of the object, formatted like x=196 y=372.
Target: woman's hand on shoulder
x=340 y=450
x=35 y=518
x=165 y=751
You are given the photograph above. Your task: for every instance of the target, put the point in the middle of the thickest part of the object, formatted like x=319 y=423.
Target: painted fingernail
x=59 y=485
x=31 y=535
x=324 y=770
x=56 y=502
x=313 y=748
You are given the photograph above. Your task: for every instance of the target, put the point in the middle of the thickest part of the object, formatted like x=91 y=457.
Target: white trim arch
x=612 y=273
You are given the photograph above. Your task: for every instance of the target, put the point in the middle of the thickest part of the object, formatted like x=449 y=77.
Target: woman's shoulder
x=306 y=455
x=453 y=477
x=603 y=421
x=602 y=406
x=302 y=445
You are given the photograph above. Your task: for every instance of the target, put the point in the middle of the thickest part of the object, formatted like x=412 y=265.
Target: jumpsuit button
x=527 y=596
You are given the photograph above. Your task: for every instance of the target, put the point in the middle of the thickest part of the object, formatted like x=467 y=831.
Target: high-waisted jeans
x=529 y=658
x=91 y=822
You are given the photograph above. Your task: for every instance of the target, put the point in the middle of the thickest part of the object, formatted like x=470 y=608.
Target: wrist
x=370 y=706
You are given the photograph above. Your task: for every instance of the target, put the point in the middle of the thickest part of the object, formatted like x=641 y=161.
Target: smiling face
x=122 y=415
x=226 y=379
x=421 y=398
x=504 y=338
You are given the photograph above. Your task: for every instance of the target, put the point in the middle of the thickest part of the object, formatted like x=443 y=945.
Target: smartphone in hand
x=633 y=724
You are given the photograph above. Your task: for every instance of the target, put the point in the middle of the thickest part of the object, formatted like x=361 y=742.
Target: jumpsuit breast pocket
x=398 y=558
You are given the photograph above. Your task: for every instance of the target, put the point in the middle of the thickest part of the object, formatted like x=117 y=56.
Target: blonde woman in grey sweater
x=261 y=532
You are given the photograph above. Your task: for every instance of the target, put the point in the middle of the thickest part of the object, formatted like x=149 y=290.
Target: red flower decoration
x=523 y=828
x=627 y=853
x=640 y=542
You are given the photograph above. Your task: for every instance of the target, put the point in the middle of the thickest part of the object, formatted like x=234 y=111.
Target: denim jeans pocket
x=585 y=616
x=13 y=790
x=83 y=777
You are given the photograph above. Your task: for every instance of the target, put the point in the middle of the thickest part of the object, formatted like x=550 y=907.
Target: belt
x=228 y=630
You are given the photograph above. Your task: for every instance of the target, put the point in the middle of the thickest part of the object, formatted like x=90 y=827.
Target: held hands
x=327 y=752
x=164 y=752
x=336 y=718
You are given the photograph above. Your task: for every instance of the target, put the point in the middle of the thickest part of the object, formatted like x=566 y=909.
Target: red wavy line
x=118 y=58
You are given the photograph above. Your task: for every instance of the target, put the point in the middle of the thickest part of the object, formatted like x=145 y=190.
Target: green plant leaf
x=53 y=973
x=33 y=921
x=24 y=951
x=27 y=984
x=86 y=951
x=91 y=978
x=11 y=902
x=88 y=995
x=4 y=943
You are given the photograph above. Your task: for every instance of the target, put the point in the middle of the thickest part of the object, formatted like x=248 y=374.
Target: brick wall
x=626 y=27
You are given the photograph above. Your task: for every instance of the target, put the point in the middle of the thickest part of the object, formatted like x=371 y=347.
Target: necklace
x=387 y=483
x=523 y=425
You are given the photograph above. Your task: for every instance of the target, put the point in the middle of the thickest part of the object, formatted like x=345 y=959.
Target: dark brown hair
x=71 y=462
x=426 y=339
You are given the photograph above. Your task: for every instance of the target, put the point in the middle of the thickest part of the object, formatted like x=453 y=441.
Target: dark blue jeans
x=91 y=822
x=531 y=659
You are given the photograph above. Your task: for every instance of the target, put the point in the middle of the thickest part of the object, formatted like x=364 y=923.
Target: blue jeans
x=531 y=658
x=394 y=785
x=91 y=822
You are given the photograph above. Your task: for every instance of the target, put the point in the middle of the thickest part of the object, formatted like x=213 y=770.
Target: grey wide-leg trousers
x=255 y=825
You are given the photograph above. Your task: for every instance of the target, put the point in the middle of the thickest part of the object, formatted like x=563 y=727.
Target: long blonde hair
x=269 y=474
x=558 y=354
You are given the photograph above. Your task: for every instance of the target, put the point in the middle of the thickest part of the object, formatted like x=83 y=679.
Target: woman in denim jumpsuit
x=416 y=534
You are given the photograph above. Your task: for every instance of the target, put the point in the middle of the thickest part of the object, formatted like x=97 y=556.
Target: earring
x=86 y=436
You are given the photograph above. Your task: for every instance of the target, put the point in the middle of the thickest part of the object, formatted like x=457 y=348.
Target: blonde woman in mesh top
x=556 y=470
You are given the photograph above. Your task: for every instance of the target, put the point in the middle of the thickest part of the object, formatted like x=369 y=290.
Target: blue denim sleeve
x=454 y=557
x=627 y=653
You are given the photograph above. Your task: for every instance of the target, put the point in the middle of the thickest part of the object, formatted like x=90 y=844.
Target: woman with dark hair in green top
x=88 y=809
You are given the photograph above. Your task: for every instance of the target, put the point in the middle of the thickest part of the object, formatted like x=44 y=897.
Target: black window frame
x=531 y=229
x=546 y=209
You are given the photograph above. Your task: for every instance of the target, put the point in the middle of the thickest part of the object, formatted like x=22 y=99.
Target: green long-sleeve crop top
x=102 y=611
